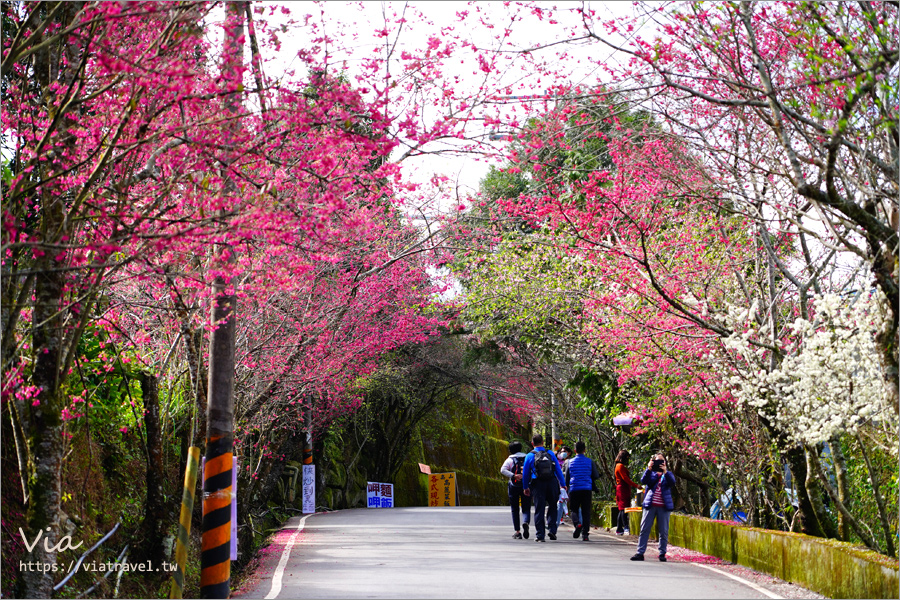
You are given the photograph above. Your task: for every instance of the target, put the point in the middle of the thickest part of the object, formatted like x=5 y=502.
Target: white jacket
x=509 y=463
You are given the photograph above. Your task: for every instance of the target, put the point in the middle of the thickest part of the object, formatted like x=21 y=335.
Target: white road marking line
x=285 y=556
x=759 y=589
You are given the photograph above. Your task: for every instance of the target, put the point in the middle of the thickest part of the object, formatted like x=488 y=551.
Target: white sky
x=353 y=26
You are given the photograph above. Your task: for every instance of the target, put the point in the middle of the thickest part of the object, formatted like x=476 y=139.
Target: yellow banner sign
x=442 y=489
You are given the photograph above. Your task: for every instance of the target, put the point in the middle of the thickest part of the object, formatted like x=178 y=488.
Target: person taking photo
x=658 y=505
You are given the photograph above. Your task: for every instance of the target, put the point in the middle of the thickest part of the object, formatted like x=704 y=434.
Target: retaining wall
x=835 y=569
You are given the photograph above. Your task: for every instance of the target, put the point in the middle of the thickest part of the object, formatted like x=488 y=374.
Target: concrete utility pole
x=309 y=469
x=215 y=559
x=555 y=442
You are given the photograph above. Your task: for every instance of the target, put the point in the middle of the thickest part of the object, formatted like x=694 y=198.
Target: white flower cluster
x=832 y=382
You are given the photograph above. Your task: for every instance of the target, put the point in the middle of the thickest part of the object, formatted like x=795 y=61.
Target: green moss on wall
x=830 y=567
x=604 y=514
x=457 y=437
x=462 y=439
x=475 y=490
x=410 y=486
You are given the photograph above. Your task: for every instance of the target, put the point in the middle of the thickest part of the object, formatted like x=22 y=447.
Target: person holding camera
x=658 y=504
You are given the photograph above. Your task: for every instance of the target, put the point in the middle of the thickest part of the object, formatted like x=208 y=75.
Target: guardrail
x=72 y=572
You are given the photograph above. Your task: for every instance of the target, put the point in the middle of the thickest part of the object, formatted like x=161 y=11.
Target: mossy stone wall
x=830 y=567
x=457 y=437
x=604 y=513
x=460 y=438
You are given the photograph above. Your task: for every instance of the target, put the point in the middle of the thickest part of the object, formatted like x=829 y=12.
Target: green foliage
x=598 y=393
x=862 y=500
x=525 y=288
x=502 y=183
x=105 y=389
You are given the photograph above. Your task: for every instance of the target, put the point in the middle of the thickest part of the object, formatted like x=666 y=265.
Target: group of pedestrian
x=541 y=479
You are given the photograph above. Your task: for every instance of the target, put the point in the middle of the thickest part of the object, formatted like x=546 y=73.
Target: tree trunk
x=43 y=423
x=193 y=341
x=806 y=515
x=682 y=472
x=15 y=407
x=215 y=560
x=860 y=528
x=814 y=491
x=154 y=509
x=879 y=500
x=843 y=487
x=773 y=488
x=42 y=420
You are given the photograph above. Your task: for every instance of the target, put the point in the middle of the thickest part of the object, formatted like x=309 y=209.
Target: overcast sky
x=353 y=25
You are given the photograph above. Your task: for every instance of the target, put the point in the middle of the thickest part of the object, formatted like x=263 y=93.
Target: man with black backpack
x=512 y=468
x=542 y=479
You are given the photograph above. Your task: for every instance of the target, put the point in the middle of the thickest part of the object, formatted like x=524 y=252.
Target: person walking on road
x=542 y=478
x=657 y=505
x=562 y=505
x=623 y=491
x=580 y=475
x=512 y=468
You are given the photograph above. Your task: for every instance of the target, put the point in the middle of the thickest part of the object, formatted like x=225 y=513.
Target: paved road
x=466 y=552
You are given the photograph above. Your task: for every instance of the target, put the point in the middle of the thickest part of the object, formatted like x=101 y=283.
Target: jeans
x=515 y=496
x=561 y=509
x=577 y=517
x=544 y=495
x=662 y=527
x=622 y=521
x=580 y=501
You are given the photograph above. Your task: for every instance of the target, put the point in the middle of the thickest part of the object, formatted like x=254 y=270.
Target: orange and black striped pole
x=307 y=449
x=215 y=557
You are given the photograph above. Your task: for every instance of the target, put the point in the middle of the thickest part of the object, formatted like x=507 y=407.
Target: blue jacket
x=528 y=474
x=580 y=471
x=650 y=479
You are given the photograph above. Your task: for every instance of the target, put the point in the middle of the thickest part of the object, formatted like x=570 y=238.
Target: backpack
x=518 y=463
x=544 y=468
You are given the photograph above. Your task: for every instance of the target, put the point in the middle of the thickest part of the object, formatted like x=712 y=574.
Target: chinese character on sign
x=380 y=495
x=442 y=489
x=309 y=489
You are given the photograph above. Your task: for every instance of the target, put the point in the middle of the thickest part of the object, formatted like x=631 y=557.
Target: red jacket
x=623 y=491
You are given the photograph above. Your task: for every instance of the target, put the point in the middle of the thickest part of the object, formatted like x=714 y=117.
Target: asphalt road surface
x=468 y=552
